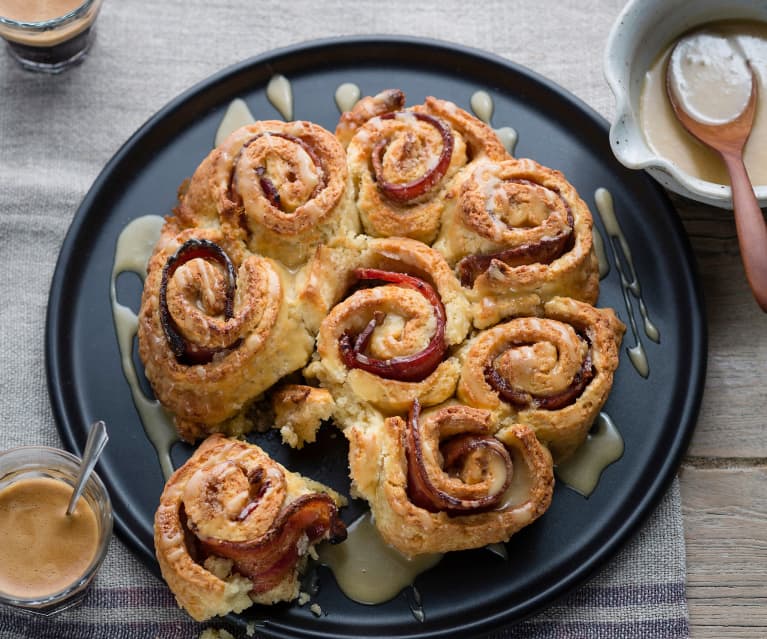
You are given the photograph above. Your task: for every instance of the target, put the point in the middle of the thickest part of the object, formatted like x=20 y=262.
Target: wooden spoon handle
x=752 y=230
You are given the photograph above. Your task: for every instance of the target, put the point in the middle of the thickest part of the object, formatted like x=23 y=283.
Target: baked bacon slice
x=544 y=251
x=421 y=488
x=267 y=560
x=523 y=399
x=408 y=368
x=403 y=193
x=267 y=186
x=187 y=352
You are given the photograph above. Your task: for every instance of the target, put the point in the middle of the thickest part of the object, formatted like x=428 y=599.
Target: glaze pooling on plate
x=132 y=253
x=629 y=281
x=165 y=151
x=482 y=105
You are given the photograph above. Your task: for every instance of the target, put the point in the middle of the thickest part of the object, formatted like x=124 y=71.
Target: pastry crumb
x=303 y=598
x=250 y=628
x=316 y=610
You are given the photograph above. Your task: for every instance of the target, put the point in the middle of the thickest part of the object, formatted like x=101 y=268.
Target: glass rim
x=51 y=23
x=104 y=516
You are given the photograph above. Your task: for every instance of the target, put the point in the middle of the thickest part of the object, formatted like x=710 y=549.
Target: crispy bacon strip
x=523 y=399
x=408 y=368
x=185 y=351
x=543 y=252
x=403 y=193
x=267 y=560
x=267 y=186
x=421 y=489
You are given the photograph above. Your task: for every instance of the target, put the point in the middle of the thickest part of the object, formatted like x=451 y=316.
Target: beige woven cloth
x=56 y=133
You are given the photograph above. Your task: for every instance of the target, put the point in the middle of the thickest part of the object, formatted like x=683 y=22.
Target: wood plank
x=725 y=520
x=731 y=422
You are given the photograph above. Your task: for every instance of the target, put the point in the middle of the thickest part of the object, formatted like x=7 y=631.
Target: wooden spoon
x=728 y=140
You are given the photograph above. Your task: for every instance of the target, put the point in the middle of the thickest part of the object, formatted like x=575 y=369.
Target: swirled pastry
x=234 y=527
x=552 y=372
x=280 y=186
x=402 y=161
x=386 y=343
x=218 y=325
x=448 y=480
x=517 y=231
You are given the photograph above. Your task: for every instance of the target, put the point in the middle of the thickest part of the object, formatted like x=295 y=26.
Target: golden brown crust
x=409 y=148
x=515 y=230
x=414 y=529
x=545 y=357
x=205 y=500
x=263 y=340
x=301 y=162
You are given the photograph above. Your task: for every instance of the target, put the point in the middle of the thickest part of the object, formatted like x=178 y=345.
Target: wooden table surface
x=724 y=474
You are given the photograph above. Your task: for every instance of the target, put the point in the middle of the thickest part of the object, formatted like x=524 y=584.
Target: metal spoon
x=97 y=439
x=728 y=140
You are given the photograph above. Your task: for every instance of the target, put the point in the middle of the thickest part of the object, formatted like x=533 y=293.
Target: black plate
x=471 y=591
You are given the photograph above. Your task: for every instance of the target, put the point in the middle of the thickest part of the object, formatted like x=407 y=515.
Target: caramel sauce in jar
x=43 y=551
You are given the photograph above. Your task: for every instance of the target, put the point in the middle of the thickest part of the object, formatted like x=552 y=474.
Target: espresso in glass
x=48 y=35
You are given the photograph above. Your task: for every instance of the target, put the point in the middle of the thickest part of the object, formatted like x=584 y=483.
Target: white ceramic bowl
x=641 y=32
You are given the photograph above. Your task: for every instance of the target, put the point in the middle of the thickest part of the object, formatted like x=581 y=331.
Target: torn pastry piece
x=234 y=528
x=299 y=411
x=218 y=325
x=516 y=232
x=387 y=341
x=402 y=161
x=282 y=187
x=553 y=372
x=447 y=480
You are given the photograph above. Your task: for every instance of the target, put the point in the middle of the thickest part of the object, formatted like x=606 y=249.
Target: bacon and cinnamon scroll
x=282 y=187
x=387 y=341
x=553 y=372
x=447 y=480
x=214 y=324
x=517 y=231
x=234 y=528
x=402 y=161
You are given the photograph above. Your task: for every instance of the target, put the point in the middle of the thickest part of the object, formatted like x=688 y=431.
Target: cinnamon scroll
x=403 y=160
x=214 y=324
x=282 y=187
x=518 y=232
x=387 y=339
x=553 y=372
x=448 y=480
x=234 y=527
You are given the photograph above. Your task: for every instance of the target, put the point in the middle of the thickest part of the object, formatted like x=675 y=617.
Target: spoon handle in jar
x=97 y=439
x=751 y=227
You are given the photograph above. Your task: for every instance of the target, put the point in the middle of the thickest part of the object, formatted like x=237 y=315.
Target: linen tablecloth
x=57 y=132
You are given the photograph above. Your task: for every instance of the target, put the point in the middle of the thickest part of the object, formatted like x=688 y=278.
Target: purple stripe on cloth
x=24 y=627
x=677 y=628
x=587 y=596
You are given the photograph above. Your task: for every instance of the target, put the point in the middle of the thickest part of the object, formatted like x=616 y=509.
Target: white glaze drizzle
x=508 y=138
x=347 y=95
x=482 y=105
x=629 y=281
x=280 y=94
x=603 y=446
x=599 y=249
x=134 y=247
x=368 y=570
x=237 y=115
